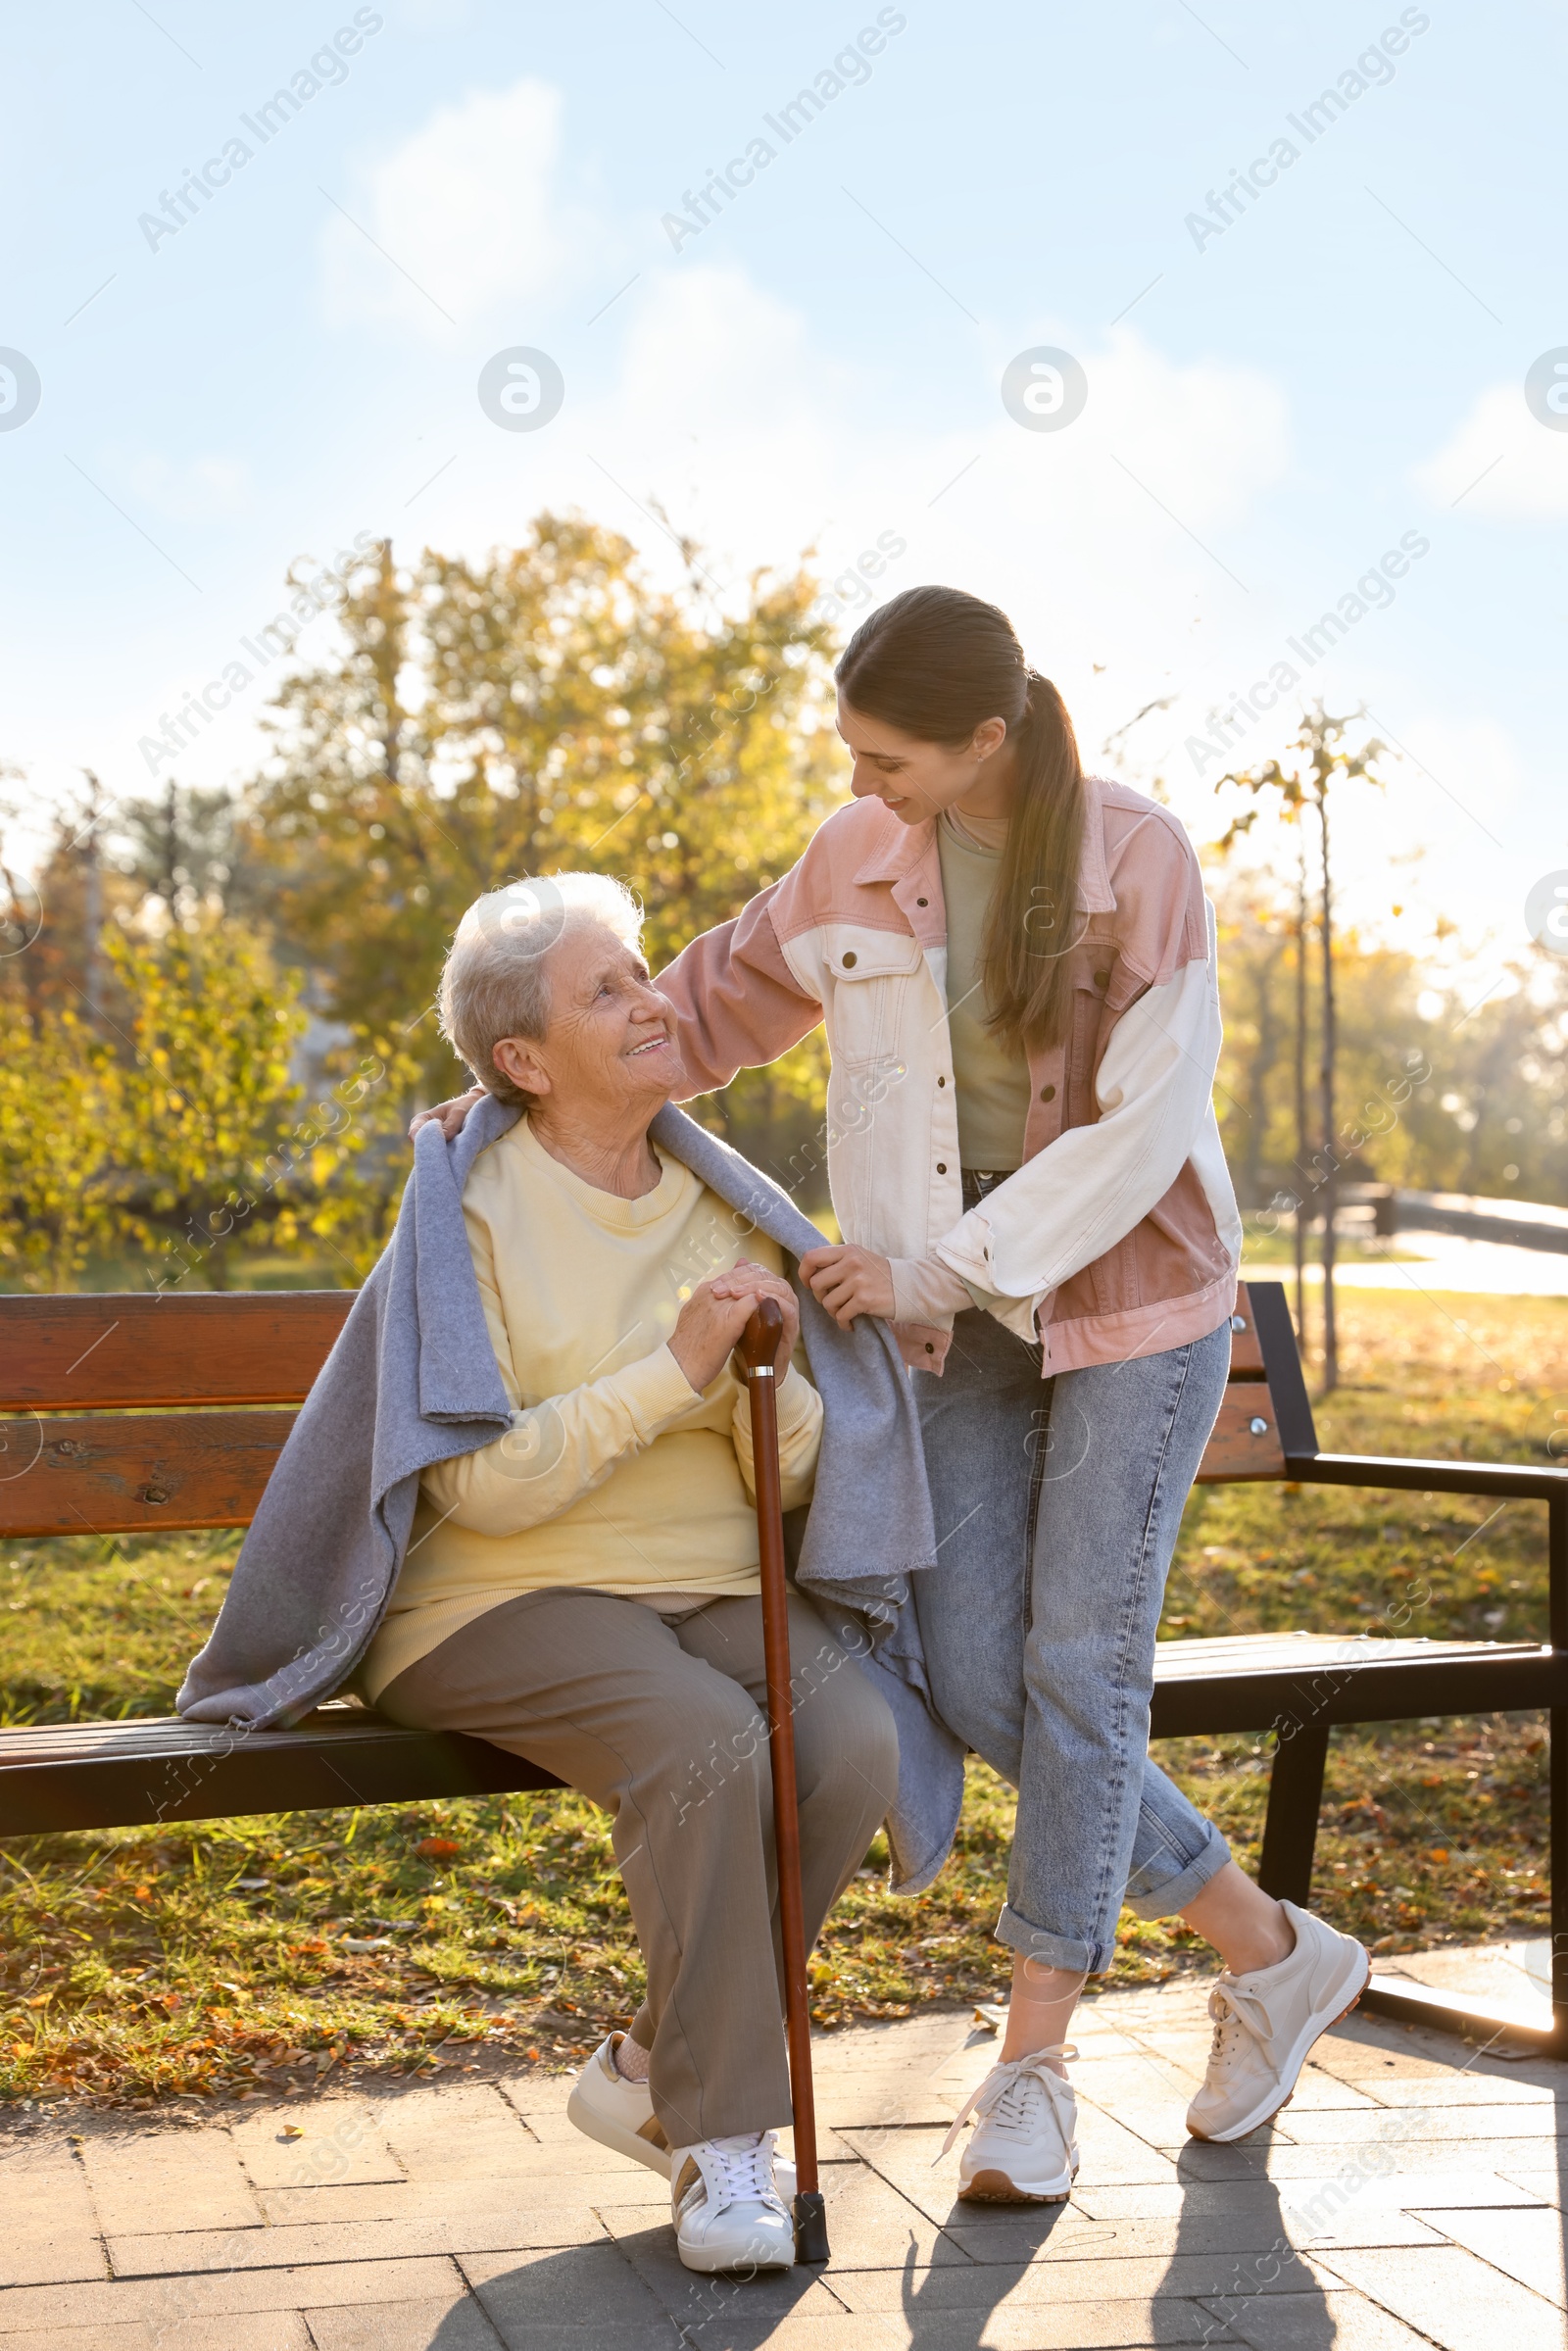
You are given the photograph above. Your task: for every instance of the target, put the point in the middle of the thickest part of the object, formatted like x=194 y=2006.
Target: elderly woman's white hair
x=495 y=982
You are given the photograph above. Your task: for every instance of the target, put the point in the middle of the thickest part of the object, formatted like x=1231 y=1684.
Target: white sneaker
x=1265 y=2022
x=1024 y=2150
x=620 y=2113
x=726 y=2207
x=617 y=2113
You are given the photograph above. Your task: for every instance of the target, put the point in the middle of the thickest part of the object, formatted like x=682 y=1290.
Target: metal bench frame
x=146 y=1414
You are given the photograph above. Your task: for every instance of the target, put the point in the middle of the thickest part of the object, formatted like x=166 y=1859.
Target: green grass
x=138 y=1964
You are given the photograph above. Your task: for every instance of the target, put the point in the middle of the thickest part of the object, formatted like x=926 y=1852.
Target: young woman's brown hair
x=935 y=662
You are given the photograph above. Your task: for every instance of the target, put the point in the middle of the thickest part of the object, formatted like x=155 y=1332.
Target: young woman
x=1016 y=964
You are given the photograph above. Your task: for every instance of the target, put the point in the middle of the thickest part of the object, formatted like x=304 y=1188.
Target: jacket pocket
x=866 y=978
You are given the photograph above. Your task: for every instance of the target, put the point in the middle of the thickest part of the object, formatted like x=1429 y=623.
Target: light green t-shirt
x=991 y=1082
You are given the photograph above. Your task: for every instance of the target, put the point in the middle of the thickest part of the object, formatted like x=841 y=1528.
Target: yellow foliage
x=545 y=708
x=184 y=1130
x=61 y=1110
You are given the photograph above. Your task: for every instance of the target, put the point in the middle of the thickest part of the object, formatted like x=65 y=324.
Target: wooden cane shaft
x=781 y=1729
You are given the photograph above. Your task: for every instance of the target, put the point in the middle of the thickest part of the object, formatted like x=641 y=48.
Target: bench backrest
x=133 y=1414
x=139 y=1413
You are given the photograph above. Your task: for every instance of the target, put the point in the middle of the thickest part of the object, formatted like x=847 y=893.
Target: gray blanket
x=412 y=1380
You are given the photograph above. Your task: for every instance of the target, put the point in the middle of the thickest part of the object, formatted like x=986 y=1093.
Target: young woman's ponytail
x=935 y=662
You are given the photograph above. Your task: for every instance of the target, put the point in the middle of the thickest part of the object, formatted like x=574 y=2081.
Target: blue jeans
x=1058 y=1506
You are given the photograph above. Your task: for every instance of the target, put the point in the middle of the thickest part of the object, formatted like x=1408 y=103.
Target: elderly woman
x=582 y=1590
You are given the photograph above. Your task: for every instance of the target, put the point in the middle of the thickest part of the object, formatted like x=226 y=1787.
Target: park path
x=1411 y=2194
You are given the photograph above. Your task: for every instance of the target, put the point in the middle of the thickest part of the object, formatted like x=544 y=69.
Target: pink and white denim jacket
x=1118 y=1236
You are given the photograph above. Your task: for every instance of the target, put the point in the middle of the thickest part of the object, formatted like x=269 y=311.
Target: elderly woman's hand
x=451 y=1115
x=747 y=1279
x=850 y=1282
x=711 y=1324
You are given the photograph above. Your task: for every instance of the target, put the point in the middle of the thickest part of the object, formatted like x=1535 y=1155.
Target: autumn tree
x=220 y=1149
x=179 y=845
x=546 y=707
x=1325 y=754
x=178 y=1127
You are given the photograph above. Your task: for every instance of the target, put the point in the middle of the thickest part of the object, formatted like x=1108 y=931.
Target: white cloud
x=1204 y=438
x=1514 y=468
x=465 y=207
x=727 y=413
x=202 y=489
x=760 y=443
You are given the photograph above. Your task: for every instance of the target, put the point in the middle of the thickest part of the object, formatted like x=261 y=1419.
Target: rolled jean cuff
x=1164 y=1897
x=1052 y=1950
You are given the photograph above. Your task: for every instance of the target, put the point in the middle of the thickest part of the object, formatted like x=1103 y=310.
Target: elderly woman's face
x=611 y=1039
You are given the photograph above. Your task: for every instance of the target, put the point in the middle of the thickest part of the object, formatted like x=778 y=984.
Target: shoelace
x=745 y=2168
x=1240 y=2015
x=1004 y=2093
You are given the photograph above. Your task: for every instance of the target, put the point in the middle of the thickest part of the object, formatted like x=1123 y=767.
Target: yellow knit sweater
x=614 y=1473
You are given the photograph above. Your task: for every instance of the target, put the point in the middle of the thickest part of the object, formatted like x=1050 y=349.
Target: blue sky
x=1275 y=401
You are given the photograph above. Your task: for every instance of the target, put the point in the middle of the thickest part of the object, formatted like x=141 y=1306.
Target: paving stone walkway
x=1411 y=2194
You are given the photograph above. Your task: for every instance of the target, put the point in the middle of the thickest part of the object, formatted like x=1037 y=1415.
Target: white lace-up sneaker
x=620 y=2113
x=1266 y=2022
x=726 y=2207
x=1024 y=2150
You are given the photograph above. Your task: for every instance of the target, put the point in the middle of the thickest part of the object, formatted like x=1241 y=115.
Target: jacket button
x=1101 y=978
x=929 y=1348
x=849 y=958
x=1047 y=1094
x=942 y=1167
x=923 y=901
x=941 y=1081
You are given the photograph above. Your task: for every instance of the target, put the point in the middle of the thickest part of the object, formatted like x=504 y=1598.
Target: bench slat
x=105 y=1472
x=60 y=1776
x=81 y=1353
x=92 y=1351
x=1238 y=1449
x=123 y=1473
x=1294 y=1682
x=1289 y=1652
x=1247 y=1351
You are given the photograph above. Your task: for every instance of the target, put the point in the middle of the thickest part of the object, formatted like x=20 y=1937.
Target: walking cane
x=759 y=1348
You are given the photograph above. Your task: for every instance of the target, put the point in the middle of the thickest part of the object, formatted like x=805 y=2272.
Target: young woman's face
x=918 y=780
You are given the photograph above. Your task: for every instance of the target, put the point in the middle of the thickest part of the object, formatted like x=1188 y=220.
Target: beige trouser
x=659 y=1721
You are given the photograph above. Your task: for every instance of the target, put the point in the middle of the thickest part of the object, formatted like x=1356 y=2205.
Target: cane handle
x=760 y=1342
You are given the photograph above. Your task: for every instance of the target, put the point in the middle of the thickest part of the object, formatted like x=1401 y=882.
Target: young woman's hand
x=711 y=1324
x=451 y=1115
x=850 y=1282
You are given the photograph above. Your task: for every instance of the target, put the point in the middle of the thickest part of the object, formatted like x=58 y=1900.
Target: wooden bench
x=139 y=1414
